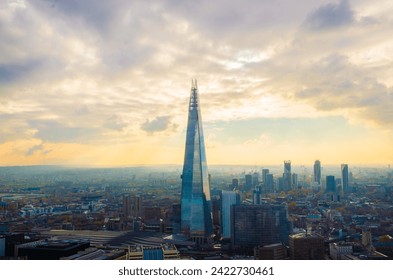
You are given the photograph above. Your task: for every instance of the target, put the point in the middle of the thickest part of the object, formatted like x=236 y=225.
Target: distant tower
x=196 y=216
x=269 y=184
x=287 y=181
x=317 y=172
x=248 y=184
x=257 y=195
x=330 y=184
x=264 y=174
x=294 y=179
x=255 y=179
x=235 y=184
x=345 y=178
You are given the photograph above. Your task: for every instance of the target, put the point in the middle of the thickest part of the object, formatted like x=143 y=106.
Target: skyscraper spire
x=196 y=218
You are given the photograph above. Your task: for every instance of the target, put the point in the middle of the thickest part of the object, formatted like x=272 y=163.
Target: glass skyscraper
x=228 y=198
x=330 y=184
x=196 y=217
x=287 y=180
x=317 y=172
x=345 y=178
x=263 y=224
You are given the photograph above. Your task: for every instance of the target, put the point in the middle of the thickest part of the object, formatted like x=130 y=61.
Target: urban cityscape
x=196 y=130
x=229 y=212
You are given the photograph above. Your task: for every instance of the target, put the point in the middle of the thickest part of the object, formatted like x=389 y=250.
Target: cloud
x=108 y=72
x=11 y=73
x=53 y=131
x=330 y=16
x=158 y=124
x=37 y=148
x=336 y=84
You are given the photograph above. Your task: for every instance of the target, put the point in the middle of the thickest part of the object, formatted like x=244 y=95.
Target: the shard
x=196 y=220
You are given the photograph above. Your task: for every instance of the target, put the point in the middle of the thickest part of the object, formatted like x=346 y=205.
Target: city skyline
x=106 y=84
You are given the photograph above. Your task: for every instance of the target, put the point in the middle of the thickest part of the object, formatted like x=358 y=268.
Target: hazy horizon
x=107 y=83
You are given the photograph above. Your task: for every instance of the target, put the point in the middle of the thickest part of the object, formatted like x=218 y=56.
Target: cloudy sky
x=108 y=82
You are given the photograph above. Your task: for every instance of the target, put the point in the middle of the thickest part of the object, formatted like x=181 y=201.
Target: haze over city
x=107 y=83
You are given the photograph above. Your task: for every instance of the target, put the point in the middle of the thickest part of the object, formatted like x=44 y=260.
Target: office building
x=235 y=184
x=317 y=172
x=287 y=181
x=280 y=183
x=255 y=179
x=295 y=182
x=256 y=225
x=330 y=184
x=248 y=183
x=257 y=195
x=304 y=246
x=269 y=184
x=196 y=216
x=345 y=178
x=265 y=172
x=228 y=198
x=132 y=206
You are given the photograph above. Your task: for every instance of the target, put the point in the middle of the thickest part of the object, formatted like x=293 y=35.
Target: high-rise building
x=196 y=216
x=255 y=225
x=287 y=181
x=228 y=198
x=330 y=184
x=264 y=174
x=280 y=183
x=295 y=182
x=132 y=206
x=345 y=178
x=317 y=172
x=248 y=183
x=269 y=184
x=255 y=179
x=235 y=183
x=257 y=195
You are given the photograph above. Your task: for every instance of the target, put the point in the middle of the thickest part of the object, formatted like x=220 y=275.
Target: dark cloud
x=13 y=72
x=158 y=124
x=330 y=15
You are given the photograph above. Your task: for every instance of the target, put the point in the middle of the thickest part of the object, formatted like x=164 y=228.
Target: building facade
x=330 y=184
x=317 y=172
x=345 y=178
x=132 y=206
x=228 y=198
x=287 y=178
x=304 y=246
x=259 y=225
x=196 y=217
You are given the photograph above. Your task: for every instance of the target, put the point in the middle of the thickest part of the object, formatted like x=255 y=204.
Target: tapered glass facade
x=196 y=218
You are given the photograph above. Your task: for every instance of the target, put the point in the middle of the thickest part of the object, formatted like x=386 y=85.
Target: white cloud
x=110 y=71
